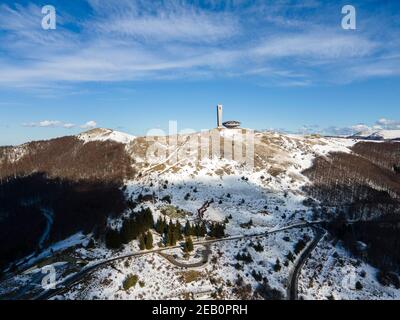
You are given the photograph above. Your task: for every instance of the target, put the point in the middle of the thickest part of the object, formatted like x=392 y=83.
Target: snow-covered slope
x=378 y=135
x=101 y=134
x=250 y=200
x=386 y=135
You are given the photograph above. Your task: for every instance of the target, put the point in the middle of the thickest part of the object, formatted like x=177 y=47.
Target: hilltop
x=94 y=183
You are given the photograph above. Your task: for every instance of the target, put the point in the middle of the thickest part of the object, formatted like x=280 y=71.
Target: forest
x=364 y=190
x=77 y=206
x=68 y=158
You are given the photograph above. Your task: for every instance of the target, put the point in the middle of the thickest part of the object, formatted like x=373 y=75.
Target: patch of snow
x=100 y=134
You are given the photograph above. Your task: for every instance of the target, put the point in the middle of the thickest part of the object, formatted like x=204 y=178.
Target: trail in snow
x=49 y=215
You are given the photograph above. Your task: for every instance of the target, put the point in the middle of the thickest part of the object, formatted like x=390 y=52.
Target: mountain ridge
x=378 y=135
x=94 y=185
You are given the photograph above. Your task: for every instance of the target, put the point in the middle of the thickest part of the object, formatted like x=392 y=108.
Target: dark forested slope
x=360 y=194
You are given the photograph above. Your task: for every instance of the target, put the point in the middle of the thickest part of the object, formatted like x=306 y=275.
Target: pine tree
x=277 y=266
x=165 y=224
x=203 y=229
x=212 y=230
x=149 y=241
x=188 y=229
x=160 y=225
x=220 y=230
x=171 y=235
x=290 y=256
x=125 y=231
x=178 y=231
x=217 y=230
x=113 y=239
x=167 y=239
x=142 y=244
x=188 y=247
x=197 y=230
x=157 y=226
x=200 y=229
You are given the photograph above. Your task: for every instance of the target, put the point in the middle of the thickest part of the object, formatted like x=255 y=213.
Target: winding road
x=292 y=289
x=204 y=259
x=78 y=277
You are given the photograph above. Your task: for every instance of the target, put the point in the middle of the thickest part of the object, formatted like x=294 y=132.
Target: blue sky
x=135 y=65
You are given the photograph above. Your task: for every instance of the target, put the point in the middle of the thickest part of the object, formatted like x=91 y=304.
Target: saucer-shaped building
x=233 y=124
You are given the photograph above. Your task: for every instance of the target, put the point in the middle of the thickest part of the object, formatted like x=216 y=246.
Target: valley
x=277 y=219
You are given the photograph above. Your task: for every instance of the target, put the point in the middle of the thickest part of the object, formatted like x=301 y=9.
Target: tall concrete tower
x=219 y=116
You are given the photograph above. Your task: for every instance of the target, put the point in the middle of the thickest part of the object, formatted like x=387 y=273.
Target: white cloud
x=69 y=125
x=388 y=123
x=140 y=40
x=316 y=45
x=89 y=125
x=380 y=124
x=360 y=127
x=59 y=124
x=44 y=124
x=174 y=21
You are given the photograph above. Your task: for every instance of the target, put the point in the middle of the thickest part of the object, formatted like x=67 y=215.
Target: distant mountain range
x=378 y=135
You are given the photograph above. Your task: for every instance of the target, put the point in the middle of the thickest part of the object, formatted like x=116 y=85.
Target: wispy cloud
x=59 y=124
x=136 y=40
x=320 y=45
x=89 y=125
x=44 y=124
x=388 y=123
x=173 y=21
x=380 y=124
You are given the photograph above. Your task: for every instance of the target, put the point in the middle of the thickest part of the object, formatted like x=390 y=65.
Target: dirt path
x=49 y=216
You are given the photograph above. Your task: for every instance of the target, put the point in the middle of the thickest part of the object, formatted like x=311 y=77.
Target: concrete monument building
x=232 y=124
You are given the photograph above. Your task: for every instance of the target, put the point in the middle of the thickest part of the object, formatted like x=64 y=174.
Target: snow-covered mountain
x=100 y=134
x=271 y=210
x=378 y=135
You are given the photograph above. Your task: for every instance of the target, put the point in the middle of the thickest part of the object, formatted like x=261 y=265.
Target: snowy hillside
x=101 y=134
x=264 y=210
x=385 y=135
x=378 y=135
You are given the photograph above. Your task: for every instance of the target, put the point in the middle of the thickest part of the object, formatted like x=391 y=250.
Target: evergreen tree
x=258 y=247
x=167 y=239
x=142 y=244
x=160 y=225
x=188 y=229
x=203 y=229
x=113 y=239
x=178 y=231
x=290 y=256
x=188 y=247
x=197 y=230
x=171 y=234
x=277 y=266
x=149 y=241
x=217 y=230
x=212 y=230
x=125 y=232
x=148 y=217
x=128 y=230
x=166 y=228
